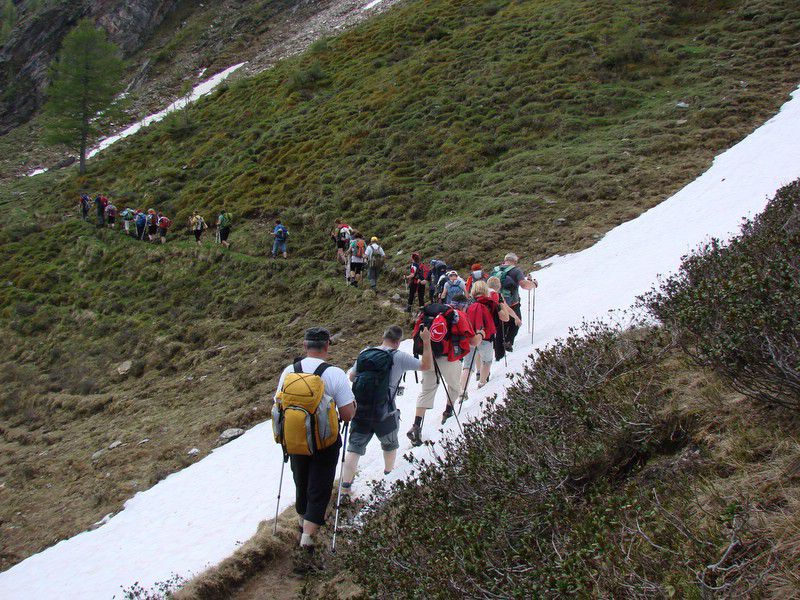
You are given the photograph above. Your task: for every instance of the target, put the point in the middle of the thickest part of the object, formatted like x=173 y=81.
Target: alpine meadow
x=656 y=458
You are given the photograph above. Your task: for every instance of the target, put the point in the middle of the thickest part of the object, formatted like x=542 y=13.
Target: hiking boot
x=415 y=435
x=306 y=561
x=448 y=412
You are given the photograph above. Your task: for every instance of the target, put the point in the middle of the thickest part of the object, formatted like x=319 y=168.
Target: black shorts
x=224 y=232
x=356 y=267
x=197 y=234
x=162 y=232
x=152 y=229
x=111 y=220
x=343 y=244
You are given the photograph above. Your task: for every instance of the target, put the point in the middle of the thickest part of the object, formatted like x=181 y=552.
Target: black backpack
x=375 y=405
x=426 y=317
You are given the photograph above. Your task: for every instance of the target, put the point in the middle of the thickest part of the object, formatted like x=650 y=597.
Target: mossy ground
x=460 y=129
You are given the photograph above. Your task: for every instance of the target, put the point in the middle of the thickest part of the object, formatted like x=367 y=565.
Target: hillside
x=456 y=128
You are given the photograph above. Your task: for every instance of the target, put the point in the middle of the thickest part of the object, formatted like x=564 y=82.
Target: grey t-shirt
x=403 y=362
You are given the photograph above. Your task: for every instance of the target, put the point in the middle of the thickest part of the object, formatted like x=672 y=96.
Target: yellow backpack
x=304 y=418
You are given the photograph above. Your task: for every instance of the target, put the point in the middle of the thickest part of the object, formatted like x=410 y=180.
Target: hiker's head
x=415 y=257
x=452 y=275
x=493 y=283
x=277 y=221
x=317 y=340
x=479 y=288
x=477 y=270
x=392 y=336
x=510 y=258
x=373 y=240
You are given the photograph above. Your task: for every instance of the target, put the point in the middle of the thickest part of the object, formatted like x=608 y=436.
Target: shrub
x=735 y=307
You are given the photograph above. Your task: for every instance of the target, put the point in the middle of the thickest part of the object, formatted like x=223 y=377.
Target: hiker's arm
x=347 y=412
x=502 y=313
x=426 y=364
x=477 y=338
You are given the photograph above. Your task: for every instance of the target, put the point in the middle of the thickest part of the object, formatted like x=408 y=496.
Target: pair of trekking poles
x=338 y=495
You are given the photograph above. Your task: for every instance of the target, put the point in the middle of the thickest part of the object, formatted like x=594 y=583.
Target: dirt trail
x=273 y=583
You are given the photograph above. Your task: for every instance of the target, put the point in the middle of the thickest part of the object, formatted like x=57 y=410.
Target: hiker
x=511 y=280
x=111 y=214
x=453 y=287
x=476 y=274
x=376 y=377
x=436 y=278
x=281 y=234
x=224 y=223
x=452 y=337
x=198 y=225
x=85 y=205
x=141 y=223
x=376 y=258
x=416 y=280
x=493 y=283
x=152 y=224
x=313 y=468
x=483 y=315
x=101 y=211
x=126 y=215
x=341 y=237
x=357 y=255
x=163 y=225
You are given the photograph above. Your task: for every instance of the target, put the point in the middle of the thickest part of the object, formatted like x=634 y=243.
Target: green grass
x=460 y=129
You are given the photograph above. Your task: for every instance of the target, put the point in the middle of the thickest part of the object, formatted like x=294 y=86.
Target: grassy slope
x=499 y=117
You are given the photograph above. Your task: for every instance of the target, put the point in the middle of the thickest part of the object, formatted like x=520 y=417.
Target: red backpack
x=481 y=316
x=164 y=223
x=361 y=248
x=450 y=329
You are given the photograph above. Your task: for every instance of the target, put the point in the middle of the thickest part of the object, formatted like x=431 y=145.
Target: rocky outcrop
x=27 y=54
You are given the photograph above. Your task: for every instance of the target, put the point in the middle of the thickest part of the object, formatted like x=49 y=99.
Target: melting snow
x=196 y=517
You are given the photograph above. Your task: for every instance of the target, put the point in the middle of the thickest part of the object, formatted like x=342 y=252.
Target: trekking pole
x=532 y=304
x=447 y=393
x=280 y=487
x=339 y=495
x=464 y=391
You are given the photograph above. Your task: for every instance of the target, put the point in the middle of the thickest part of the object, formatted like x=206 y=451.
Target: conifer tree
x=85 y=77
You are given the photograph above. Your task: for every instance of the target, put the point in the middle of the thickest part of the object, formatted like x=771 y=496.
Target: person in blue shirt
x=281 y=234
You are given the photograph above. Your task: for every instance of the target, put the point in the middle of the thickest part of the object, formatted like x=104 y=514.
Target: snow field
x=197 y=517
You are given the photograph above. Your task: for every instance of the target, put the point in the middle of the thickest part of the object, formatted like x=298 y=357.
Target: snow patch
x=198 y=92
x=198 y=516
x=36 y=172
x=372 y=4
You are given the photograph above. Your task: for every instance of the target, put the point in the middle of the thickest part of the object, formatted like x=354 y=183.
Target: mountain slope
x=460 y=129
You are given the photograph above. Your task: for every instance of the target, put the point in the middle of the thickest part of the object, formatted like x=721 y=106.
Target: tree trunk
x=82 y=167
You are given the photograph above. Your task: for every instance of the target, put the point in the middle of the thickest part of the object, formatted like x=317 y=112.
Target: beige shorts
x=450 y=373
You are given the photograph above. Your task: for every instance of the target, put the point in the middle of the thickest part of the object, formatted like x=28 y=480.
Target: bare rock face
x=27 y=54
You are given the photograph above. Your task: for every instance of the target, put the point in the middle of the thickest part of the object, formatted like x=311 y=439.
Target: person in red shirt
x=483 y=314
x=476 y=274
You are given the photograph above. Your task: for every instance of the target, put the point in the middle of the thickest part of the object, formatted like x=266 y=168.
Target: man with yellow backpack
x=312 y=397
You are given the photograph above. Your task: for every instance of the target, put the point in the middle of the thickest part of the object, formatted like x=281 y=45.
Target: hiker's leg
x=421 y=294
x=299 y=466
x=322 y=472
x=427 y=392
x=450 y=373
x=513 y=328
x=411 y=291
x=389 y=445
x=486 y=354
x=356 y=448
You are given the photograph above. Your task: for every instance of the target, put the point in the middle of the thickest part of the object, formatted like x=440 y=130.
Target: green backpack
x=376 y=260
x=374 y=403
x=500 y=272
x=225 y=220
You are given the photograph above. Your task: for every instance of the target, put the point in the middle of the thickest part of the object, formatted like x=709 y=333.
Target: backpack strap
x=321 y=369
x=298 y=367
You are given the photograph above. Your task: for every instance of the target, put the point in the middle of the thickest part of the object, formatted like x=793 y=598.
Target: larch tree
x=85 y=78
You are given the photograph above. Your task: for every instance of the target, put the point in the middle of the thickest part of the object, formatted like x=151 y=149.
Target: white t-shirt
x=373 y=248
x=337 y=385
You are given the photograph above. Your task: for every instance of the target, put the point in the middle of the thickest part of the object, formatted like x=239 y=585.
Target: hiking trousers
x=313 y=482
x=451 y=373
x=414 y=289
x=372 y=277
x=511 y=328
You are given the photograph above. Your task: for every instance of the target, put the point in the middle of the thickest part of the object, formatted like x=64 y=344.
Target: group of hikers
x=465 y=327
x=150 y=225
x=353 y=251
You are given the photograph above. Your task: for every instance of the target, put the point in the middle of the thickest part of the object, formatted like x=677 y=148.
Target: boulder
x=193 y=452
x=124 y=367
x=560 y=222
x=98 y=454
x=681 y=105
x=231 y=434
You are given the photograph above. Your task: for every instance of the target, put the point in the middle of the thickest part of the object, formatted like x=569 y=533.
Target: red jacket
x=481 y=316
x=461 y=334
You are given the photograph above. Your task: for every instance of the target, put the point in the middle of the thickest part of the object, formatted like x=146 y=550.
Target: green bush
x=734 y=307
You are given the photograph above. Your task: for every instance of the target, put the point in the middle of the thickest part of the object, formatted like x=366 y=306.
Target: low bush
x=734 y=307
